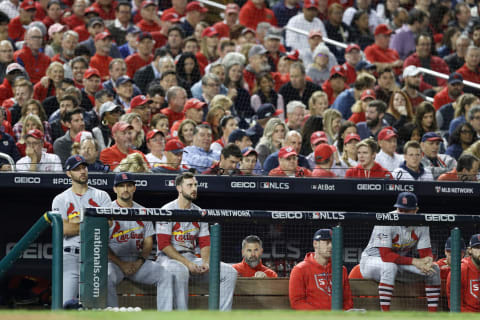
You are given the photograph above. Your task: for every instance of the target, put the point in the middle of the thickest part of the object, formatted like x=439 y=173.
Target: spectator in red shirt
x=208 y=48
x=77 y=17
x=451 y=92
x=336 y=84
x=470 y=70
x=412 y=79
x=251 y=265
x=142 y=105
x=310 y=284
x=30 y=57
x=106 y=9
x=324 y=160
x=380 y=54
x=253 y=12
x=288 y=164
x=466 y=170
x=143 y=56
x=46 y=87
x=352 y=58
x=423 y=58
x=101 y=59
x=122 y=133
x=231 y=18
x=367 y=167
x=13 y=71
x=91 y=83
x=176 y=97
x=150 y=21
x=18 y=25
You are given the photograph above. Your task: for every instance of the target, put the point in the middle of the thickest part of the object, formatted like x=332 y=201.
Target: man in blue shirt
x=199 y=156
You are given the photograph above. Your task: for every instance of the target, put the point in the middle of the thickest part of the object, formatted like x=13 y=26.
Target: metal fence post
x=455 y=276
x=337 y=268
x=214 y=275
x=57 y=260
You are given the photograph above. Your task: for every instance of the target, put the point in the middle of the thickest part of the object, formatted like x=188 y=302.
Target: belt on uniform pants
x=74 y=250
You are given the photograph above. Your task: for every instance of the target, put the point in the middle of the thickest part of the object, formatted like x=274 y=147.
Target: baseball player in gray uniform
x=130 y=245
x=389 y=256
x=69 y=203
x=177 y=242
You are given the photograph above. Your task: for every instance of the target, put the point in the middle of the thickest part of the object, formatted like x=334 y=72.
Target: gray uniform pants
x=149 y=273
x=387 y=272
x=181 y=275
x=71 y=276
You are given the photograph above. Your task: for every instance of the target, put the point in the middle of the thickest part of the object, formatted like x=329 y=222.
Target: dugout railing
x=94 y=228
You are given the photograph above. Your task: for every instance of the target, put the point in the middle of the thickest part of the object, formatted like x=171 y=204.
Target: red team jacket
x=244 y=270
x=470 y=287
x=310 y=286
x=376 y=172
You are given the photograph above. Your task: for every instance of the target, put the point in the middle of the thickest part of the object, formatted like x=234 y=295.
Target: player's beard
x=253 y=262
x=476 y=260
x=82 y=179
x=189 y=197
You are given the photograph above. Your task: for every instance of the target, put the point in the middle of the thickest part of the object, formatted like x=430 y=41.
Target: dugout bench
x=252 y=293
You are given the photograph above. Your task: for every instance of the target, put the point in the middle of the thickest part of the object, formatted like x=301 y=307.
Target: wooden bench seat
x=251 y=293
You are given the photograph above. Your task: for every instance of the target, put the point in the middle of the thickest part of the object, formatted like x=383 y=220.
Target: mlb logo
x=265 y=185
x=438 y=189
x=404 y=201
x=204 y=213
x=316 y=215
x=169 y=183
x=390 y=187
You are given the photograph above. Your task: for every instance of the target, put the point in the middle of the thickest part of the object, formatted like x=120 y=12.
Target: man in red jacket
x=310 y=285
x=30 y=57
x=253 y=12
x=251 y=265
x=367 y=167
x=390 y=253
x=450 y=92
x=470 y=271
x=101 y=60
x=288 y=164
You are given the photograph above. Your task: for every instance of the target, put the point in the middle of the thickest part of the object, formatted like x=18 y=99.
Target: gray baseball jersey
x=183 y=235
x=402 y=240
x=69 y=204
x=126 y=237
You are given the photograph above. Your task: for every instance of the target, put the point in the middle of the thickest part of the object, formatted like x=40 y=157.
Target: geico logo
x=243 y=184
x=113 y=211
x=286 y=215
x=141 y=183
x=369 y=187
x=440 y=217
x=27 y=180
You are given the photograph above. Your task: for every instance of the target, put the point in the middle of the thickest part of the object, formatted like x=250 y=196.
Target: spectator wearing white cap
x=412 y=79
x=306 y=21
x=315 y=43
x=387 y=157
x=412 y=168
x=319 y=68
x=37 y=160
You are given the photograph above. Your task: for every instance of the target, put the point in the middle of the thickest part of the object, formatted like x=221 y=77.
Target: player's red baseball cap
x=368 y=94
x=324 y=151
x=148 y=3
x=315 y=33
x=351 y=47
x=103 y=35
x=307 y=4
x=286 y=152
x=170 y=16
x=383 y=29
x=28 y=5
x=337 y=70
x=210 y=32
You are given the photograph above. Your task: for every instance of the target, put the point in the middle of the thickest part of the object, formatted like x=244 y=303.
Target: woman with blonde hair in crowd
x=348 y=158
x=213 y=118
x=135 y=163
x=185 y=132
x=399 y=111
x=31 y=122
x=47 y=85
x=332 y=120
x=33 y=107
x=208 y=48
x=272 y=139
x=135 y=120
x=223 y=101
x=318 y=103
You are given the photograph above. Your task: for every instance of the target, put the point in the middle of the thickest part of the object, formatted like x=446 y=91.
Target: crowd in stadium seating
x=254 y=89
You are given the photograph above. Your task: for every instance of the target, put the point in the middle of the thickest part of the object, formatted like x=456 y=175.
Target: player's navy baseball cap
x=431 y=136
x=475 y=240
x=406 y=200
x=448 y=244
x=238 y=134
x=122 y=177
x=74 y=161
x=323 y=234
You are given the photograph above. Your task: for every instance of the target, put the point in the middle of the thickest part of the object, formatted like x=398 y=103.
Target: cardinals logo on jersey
x=125 y=235
x=407 y=243
x=71 y=213
x=92 y=203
